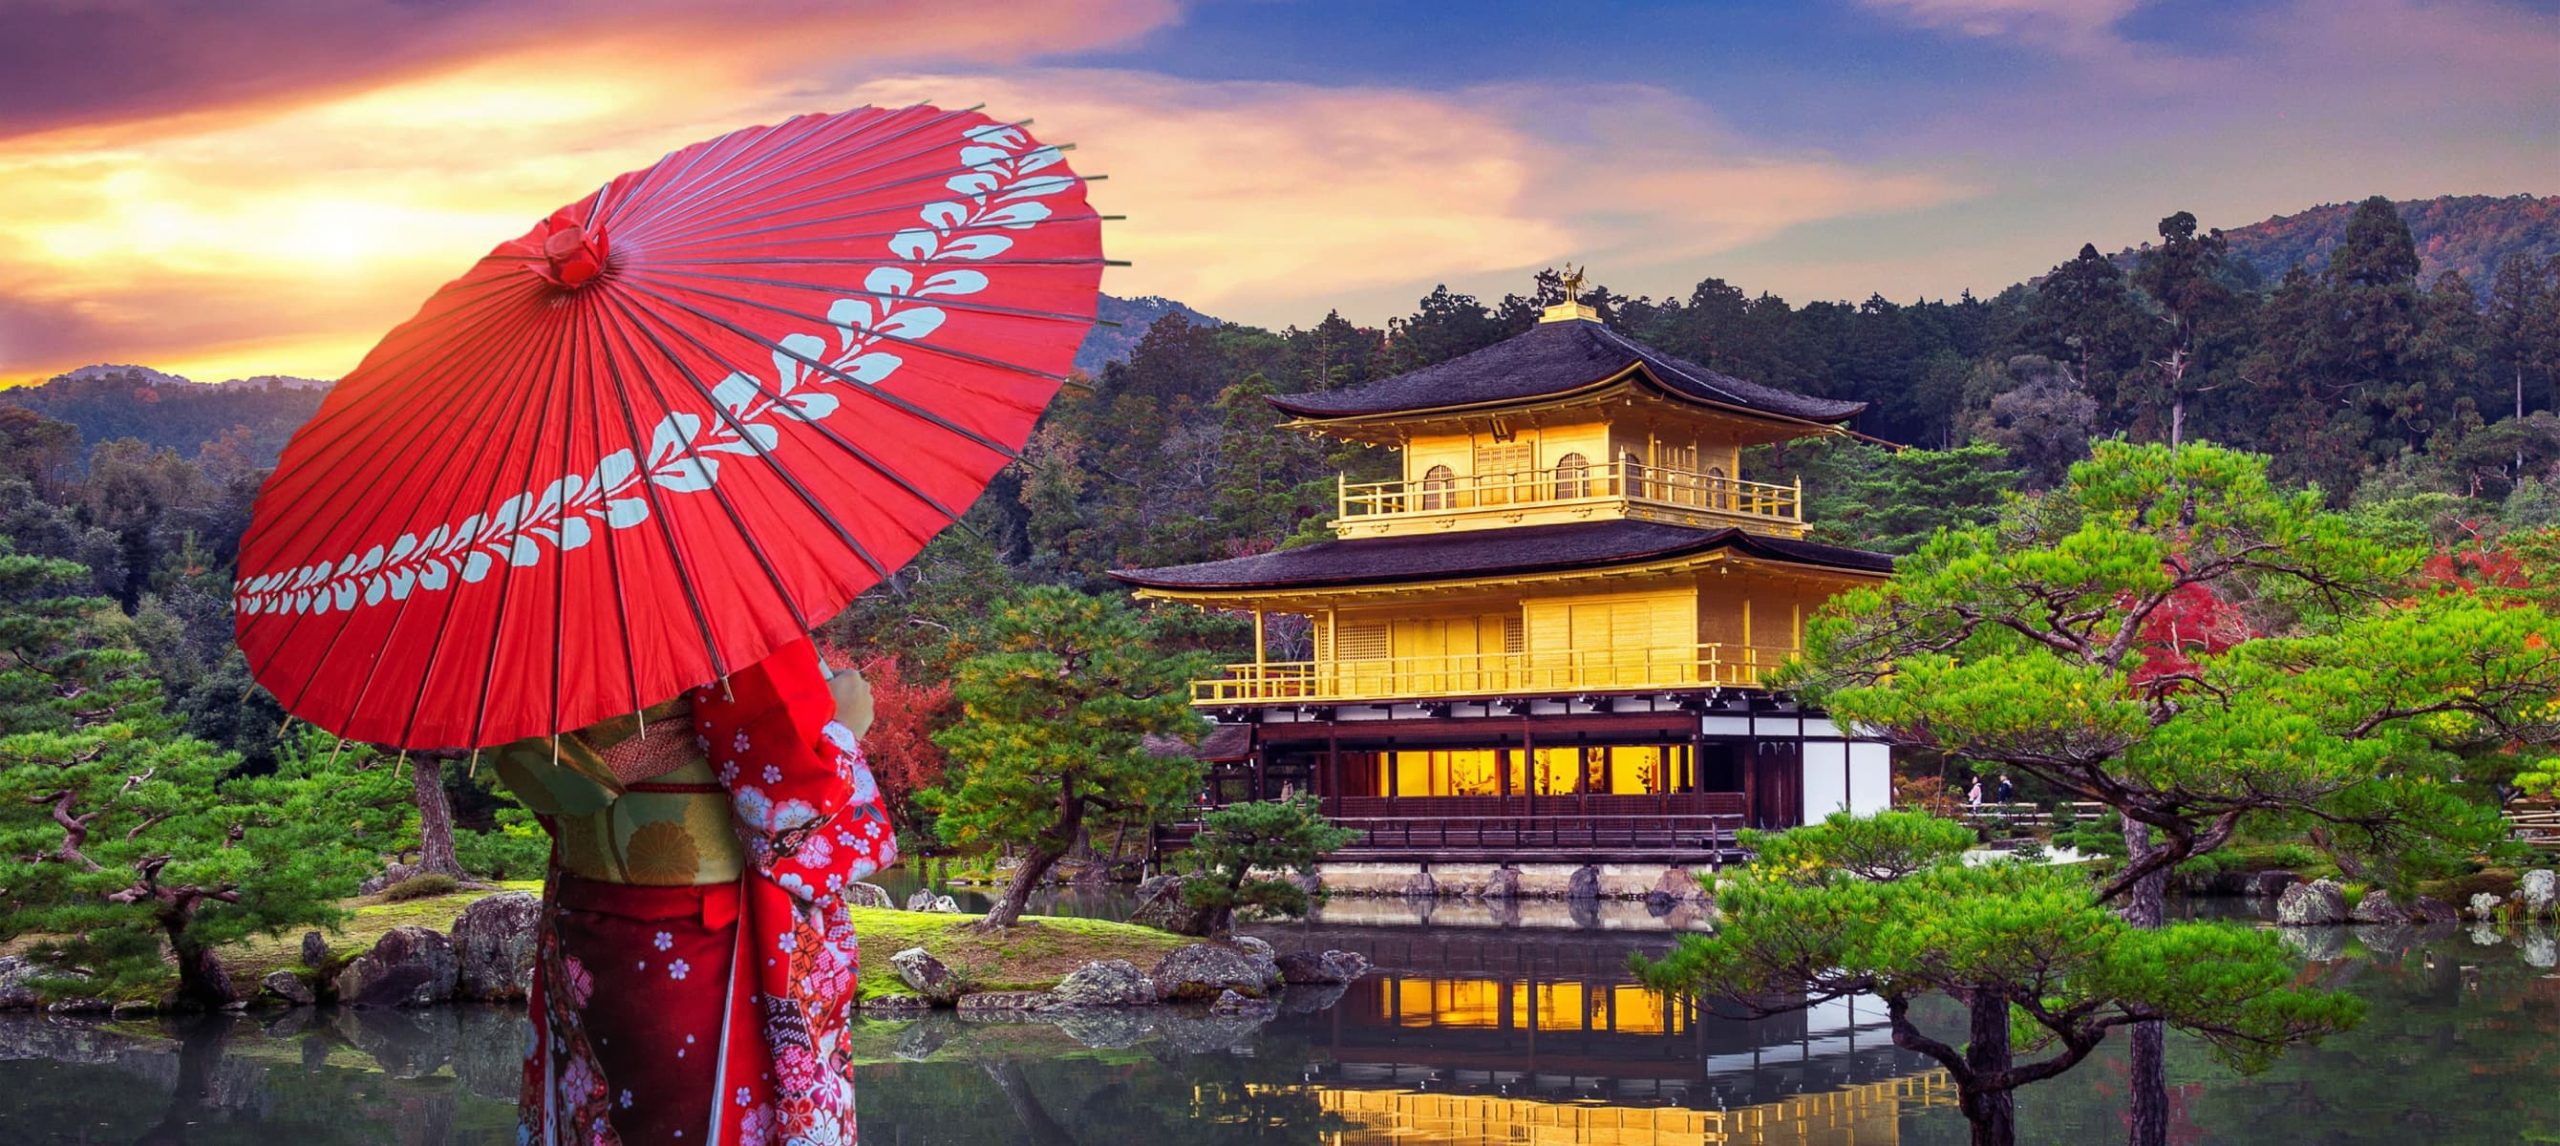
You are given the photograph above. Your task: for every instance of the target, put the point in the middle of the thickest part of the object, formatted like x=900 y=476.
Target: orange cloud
x=269 y=235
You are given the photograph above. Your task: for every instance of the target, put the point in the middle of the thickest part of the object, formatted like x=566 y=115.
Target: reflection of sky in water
x=1464 y=1035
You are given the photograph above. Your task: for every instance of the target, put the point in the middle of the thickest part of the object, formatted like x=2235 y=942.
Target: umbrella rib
x=858 y=453
x=1066 y=177
x=697 y=208
x=507 y=570
x=486 y=309
x=676 y=555
x=947 y=352
x=720 y=496
x=610 y=539
x=729 y=416
x=657 y=271
x=706 y=153
x=1089 y=215
x=689 y=191
x=419 y=414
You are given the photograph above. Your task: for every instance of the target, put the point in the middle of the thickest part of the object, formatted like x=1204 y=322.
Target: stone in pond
x=408 y=967
x=925 y=975
x=2539 y=890
x=1199 y=972
x=493 y=943
x=1328 y=967
x=1106 y=983
x=289 y=987
x=2316 y=904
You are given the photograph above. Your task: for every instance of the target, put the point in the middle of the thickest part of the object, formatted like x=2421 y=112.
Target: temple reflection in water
x=1510 y=1038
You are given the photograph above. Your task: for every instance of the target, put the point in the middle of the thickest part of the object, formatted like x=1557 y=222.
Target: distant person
x=2007 y=789
x=1973 y=796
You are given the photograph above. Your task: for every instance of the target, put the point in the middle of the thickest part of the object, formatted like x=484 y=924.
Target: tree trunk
x=1993 y=1112
x=435 y=819
x=1038 y=1125
x=2146 y=904
x=1045 y=853
x=191 y=1101
x=202 y=982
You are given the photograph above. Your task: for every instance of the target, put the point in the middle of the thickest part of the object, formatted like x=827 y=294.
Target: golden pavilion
x=1546 y=639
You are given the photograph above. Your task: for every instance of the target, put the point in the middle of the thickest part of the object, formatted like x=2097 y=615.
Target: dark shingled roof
x=1484 y=552
x=1553 y=358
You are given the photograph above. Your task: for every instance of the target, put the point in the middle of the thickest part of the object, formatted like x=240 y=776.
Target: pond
x=1463 y=1035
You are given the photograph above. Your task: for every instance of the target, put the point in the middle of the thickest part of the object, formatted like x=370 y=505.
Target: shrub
x=1235 y=841
x=421 y=887
x=517 y=848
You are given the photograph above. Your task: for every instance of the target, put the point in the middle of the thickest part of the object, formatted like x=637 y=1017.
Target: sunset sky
x=264 y=186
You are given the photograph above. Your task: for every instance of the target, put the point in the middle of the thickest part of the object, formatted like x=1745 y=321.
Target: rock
x=1329 y=967
x=2376 y=907
x=1106 y=983
x=289 y=987
x=2428 y=909
x=17 y=973
x=944 y=905
x=315 y=950
x=390 y=875
x=986 y=1003
x=1197 y=973
x=2484 y=906
x=923 y=1037
x=926 y=976
x=896 y=1006
x=493 y=943
x=1422 y=886
x=1231 y=1004
x=1503 y=884
x=2267 y=884
x=860 y=894
x=921 y=900
x=409 y=967
x=1584 y=886
x=133 y=1009
x=1161 y=906
x=2315 y=904
x=2538 y=890
x=1256 y=946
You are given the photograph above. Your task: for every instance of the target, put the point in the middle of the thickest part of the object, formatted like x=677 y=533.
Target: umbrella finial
x=572 y=254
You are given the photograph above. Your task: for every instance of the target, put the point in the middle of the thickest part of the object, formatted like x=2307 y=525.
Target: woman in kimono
x=696 y=963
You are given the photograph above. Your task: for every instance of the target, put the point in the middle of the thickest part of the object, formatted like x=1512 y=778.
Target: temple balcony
x=1575 y=491
x=1458 y=676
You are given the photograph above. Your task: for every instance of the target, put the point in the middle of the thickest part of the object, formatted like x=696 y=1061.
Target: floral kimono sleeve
x=807 y=808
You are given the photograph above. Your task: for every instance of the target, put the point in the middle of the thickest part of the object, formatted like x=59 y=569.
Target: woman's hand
x=853 y=701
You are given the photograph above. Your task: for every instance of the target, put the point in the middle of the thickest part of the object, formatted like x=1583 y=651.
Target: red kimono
x=715 y=1014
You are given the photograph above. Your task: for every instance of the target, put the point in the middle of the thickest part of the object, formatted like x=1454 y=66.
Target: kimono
x=696 y=966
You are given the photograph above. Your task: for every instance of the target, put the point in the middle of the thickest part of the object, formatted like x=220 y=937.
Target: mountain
x=118 y=401
x=2466 y=233
x=1104 y=345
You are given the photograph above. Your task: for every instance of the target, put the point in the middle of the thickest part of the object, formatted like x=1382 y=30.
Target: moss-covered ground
x=1030 y=957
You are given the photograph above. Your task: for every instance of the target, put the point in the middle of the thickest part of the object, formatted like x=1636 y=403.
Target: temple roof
x=1488 y=552
x=1554 y=358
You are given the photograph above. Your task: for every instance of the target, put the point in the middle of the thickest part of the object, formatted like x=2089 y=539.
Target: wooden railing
x=1598 y=481
x=1492 y=674
x=2535 y=825
x=2020 y=814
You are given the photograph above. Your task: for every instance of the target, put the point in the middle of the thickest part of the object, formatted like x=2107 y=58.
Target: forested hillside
x=2469 y=234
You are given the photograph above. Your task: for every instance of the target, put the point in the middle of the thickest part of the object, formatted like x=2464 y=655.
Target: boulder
x=1161 y=906
x=17 y=973
x=2376 y=907
x=493 y=944
x=926 y=976
x=2430 y=910
x=409 y=967
x=290 y=987
x=315 y=950
x=920 y=900
x=1584 y=886
x=2316 y=904
x=2267 y=884
x=1106 y=983
x=1198 y=972
x=1255 y=946
x=2484 y=906
x=860 y=894
x=998 y=1004
x=895 y=1006
x=944 y=905
x=1231 y=1004
x=1503 y=884
x=389 y=875
x=2538 y=890
x=1329 y=967
x=1422 y=886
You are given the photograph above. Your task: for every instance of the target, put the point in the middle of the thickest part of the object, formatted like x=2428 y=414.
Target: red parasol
x=677 y=424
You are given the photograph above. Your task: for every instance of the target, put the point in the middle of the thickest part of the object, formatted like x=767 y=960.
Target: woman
x=696 y=963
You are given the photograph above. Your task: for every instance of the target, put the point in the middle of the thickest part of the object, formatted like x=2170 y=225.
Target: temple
x=1548 y=638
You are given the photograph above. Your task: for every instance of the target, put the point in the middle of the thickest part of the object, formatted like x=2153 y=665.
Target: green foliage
x=517 y=848
x=1884 y=846
x=1286 y=836
x=2040 y=963
x=2101 y=639
x=1057 y=716
x=1891 y=501
x=119 y=833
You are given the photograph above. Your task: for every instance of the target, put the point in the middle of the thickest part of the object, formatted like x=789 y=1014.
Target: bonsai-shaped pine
x=2170 y=634
x=121 y=836
x=1886 y=906
x=1236 y=841
x=1056 y=714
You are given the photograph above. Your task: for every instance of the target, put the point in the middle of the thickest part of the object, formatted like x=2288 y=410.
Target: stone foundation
x=1675 y=882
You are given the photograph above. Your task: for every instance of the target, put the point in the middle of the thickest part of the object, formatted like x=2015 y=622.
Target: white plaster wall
x=1825 y=779
x=1870 y=777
